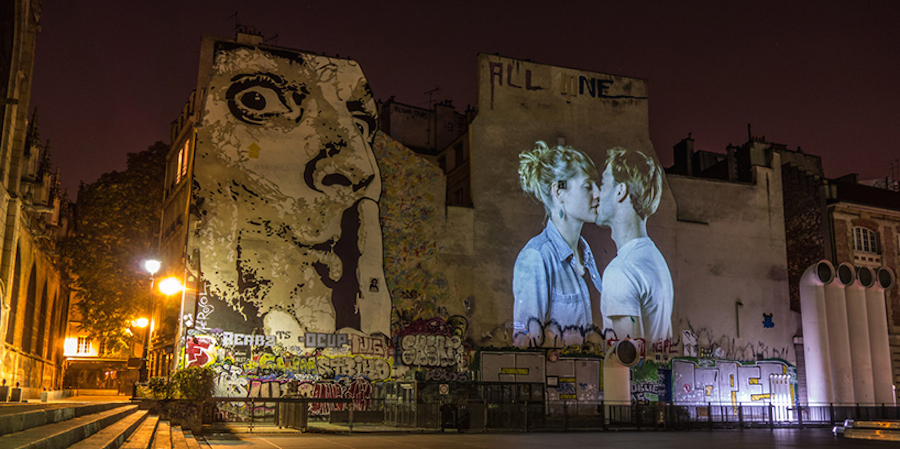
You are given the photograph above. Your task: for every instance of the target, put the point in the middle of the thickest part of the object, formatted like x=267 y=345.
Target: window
x=183 y=160
x=84 y=345
x=865 y=240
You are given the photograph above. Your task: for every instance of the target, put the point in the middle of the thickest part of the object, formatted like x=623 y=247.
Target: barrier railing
x=482 y=415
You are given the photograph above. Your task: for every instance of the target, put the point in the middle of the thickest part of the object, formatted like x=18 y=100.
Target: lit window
x=182 y=162
x=84 y=345
x=184 y=158
x=865 y=240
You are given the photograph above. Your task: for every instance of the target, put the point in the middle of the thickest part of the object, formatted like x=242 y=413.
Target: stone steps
x=91 y=426
x=113 y=436
x=159 y=434
x=141 y=438
x=65 y=433
x=16 y=418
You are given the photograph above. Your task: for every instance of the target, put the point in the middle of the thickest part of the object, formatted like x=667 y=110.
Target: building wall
x=521 y=102
x=273 y=237
x=34 y=357
x=732 y=278
x=805 y=224
x=724 y=242
x=425 y=131
x=31 y=354
x=409 y=124
x=886 y=223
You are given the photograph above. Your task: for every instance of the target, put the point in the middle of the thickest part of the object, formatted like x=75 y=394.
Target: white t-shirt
x=637 y=283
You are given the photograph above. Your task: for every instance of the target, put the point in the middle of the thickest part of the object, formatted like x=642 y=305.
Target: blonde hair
x=641 y=174
x=541 y=167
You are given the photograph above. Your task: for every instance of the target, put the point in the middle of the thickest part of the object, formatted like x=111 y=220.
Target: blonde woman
x=550 y=276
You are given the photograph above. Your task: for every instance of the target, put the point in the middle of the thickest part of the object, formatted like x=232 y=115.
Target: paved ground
x=730 y=439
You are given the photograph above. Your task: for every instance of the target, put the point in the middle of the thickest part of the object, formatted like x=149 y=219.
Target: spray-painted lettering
x=433 y=350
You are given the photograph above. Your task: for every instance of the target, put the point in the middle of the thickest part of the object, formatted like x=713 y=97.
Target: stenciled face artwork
x=287 y=189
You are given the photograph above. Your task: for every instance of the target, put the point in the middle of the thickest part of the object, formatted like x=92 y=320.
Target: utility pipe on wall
x=815 y=332
x=878 y=336
x=839 y=335
x=858 y=327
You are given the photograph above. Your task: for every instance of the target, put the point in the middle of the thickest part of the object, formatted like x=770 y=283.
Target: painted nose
x=344 y=161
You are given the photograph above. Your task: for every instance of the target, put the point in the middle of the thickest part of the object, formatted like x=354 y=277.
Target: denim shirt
x=546 y=286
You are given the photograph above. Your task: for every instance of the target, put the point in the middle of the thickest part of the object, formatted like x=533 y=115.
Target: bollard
x=771 y=418
x=741 y=415
x=831 y=412
x=603 y=420
x=252 y=412
x=636 y=414
x=16 y=394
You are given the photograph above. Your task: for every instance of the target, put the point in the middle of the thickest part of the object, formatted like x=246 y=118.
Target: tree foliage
x=116 y=228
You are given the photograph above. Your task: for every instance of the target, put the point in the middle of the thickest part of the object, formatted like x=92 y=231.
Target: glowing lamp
x=152 y=266
x=141 y=322
x=171 y=285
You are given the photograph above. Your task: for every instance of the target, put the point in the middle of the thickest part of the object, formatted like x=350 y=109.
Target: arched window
x=865 y=240
x=30 y=301
x=14 y=299
x=42 y=322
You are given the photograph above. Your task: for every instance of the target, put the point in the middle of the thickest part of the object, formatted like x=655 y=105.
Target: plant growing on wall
x=116 y=227
x=410 y=211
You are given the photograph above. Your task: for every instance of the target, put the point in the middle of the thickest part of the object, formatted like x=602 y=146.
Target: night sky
x=110 y=76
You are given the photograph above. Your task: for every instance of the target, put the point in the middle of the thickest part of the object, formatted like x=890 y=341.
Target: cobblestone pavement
x=719 y=439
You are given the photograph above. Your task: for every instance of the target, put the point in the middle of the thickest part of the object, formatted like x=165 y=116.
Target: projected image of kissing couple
x=556 y=269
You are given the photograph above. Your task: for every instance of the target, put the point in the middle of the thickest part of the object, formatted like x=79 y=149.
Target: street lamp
x=141 y=322
x=151 y=266
x=170 y=286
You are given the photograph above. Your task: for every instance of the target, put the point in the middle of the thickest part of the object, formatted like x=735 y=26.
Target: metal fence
x=486 y=414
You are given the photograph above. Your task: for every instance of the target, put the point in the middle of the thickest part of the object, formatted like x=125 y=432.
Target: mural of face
x=286 y=187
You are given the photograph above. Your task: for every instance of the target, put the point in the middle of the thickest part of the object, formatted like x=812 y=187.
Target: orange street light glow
x=171 y=285
x=141 y=322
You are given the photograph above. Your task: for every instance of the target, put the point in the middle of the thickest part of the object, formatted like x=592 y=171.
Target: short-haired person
x=552 y=299
x=638 y=293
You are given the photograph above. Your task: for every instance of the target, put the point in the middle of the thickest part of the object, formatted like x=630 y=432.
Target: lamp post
x=152 y=266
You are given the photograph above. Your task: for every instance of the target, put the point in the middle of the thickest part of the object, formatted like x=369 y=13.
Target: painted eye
x=363 y=117
x=257 y=104
x=254 y=100
x=362 y=125
x=257 y=99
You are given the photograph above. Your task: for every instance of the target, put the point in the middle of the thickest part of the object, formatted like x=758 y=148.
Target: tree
x=116 y=228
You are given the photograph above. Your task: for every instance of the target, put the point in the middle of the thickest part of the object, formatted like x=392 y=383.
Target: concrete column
x=815 y=332
x=839 y=335
x=858 y=328
x=878 y=337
